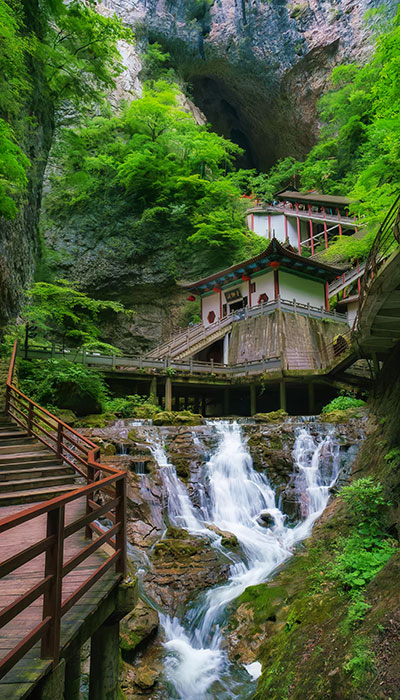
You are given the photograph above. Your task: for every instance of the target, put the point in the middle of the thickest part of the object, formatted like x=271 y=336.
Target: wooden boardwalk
x=18 y=682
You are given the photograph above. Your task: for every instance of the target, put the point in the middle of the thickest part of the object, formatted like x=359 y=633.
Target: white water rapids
x=233 y=497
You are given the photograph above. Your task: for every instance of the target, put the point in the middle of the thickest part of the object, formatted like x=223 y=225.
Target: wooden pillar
x=186 y=402
x=325 y=228
x=326 y=296
x=340 y=225
x=197 y=404
x=168 y=394
x=252 y=222
x=344 y=288
x=276 y=283
x=253 y=400
x=226 y=402
x=203 y=406
x=311 y=399
x=176 y=402
x=104 y=663
x=73 y=675
x=298 y=235
x=249 y=291
x=282 y=395
x=153 y=391
x=311 y=231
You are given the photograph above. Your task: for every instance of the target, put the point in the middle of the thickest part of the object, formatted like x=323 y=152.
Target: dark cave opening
x=224 y=114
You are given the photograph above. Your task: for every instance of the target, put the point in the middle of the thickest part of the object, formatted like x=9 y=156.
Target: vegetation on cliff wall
x=56 y=58
x=150 y=175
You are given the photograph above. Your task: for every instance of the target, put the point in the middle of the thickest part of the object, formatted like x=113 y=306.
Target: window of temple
x=263 y=298
x=253 y=287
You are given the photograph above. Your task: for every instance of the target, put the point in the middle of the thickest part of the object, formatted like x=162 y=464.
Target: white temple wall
x=303 y=290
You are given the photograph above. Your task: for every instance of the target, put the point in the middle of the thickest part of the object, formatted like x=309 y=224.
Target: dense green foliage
x=63 y=384
x=342 y=403
x=151 y=173
x=71 y=51
x=358 y=151
x=361 y=555
x=60 y=313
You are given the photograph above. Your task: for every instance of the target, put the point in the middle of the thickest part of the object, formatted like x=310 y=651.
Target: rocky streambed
x=173 y=559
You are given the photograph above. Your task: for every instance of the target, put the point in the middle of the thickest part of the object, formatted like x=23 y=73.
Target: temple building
x=278 y=273
x=307 y=221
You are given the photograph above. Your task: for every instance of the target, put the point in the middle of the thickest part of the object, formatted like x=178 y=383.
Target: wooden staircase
x=29 y=472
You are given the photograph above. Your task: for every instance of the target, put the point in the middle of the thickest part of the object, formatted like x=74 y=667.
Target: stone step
x=35 y=473
x=35 y=495
x=36 y=483
x=34 y=456
x=16 y=440
x=30 y=464
x=8 y=433
x=27 y=447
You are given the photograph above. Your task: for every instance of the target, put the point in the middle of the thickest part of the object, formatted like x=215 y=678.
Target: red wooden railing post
x=30 y=418
x=8 y=397
x=53 y=595
x=60 y=438
x=120 y=517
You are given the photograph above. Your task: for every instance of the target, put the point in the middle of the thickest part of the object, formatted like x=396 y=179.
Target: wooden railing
x=73 y=449
x=386 y=241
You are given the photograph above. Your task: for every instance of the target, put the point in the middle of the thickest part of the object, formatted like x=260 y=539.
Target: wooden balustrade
x=71 y=447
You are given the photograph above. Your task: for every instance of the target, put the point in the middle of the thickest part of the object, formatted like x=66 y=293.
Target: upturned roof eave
x=275 y=251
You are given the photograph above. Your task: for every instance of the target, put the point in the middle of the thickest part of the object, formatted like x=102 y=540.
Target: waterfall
x=196 y=665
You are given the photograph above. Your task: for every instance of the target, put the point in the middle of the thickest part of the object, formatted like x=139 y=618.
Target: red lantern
x=275 y=265
x=191 y=298
x=245 y=278
x=211 y=317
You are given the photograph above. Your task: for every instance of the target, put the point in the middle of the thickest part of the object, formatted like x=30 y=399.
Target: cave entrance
x=226 y=119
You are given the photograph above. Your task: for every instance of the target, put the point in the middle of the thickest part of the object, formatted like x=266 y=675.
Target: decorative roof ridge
x=274 y=247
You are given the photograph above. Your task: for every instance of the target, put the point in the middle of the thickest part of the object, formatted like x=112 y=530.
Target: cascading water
x=235 y=494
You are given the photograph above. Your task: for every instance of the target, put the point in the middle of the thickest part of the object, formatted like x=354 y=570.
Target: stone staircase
x=29 y=472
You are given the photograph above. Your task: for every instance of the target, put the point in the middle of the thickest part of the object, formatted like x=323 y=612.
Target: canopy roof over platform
x=283 y=255
x=313 y=197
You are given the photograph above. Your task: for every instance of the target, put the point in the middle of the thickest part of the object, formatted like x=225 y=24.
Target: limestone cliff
x=257 y=68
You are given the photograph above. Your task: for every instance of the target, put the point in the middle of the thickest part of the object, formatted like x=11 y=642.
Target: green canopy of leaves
x=60 y=313
x=57 y=52
x=154 y=165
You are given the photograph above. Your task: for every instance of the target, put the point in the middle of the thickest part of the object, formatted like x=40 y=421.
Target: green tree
x=60 y=313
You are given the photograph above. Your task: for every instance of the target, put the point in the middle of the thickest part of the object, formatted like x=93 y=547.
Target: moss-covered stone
x=340 y=416
x=271 y=417
x=96 y=420
x=178 y=418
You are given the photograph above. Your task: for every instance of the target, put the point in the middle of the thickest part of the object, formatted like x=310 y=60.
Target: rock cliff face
x=257 y=68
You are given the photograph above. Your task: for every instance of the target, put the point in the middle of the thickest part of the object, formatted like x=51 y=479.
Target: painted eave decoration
x=276 y=255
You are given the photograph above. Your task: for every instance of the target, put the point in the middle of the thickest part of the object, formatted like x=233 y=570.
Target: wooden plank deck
x=20 y=680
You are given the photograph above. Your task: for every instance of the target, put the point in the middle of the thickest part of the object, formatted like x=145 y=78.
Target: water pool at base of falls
x=231 y=499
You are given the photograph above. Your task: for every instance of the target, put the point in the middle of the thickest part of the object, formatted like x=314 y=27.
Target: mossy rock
x=109 y=450
x=163 y=418
x=133 y=435
x=340 y=416
x=182 y=468
x=188 y=418
x=178 y=418
x=96 y=420
x=146 y=411
x=264 y=599
x=175 y=549
x=272 y=417
x=67 y=416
